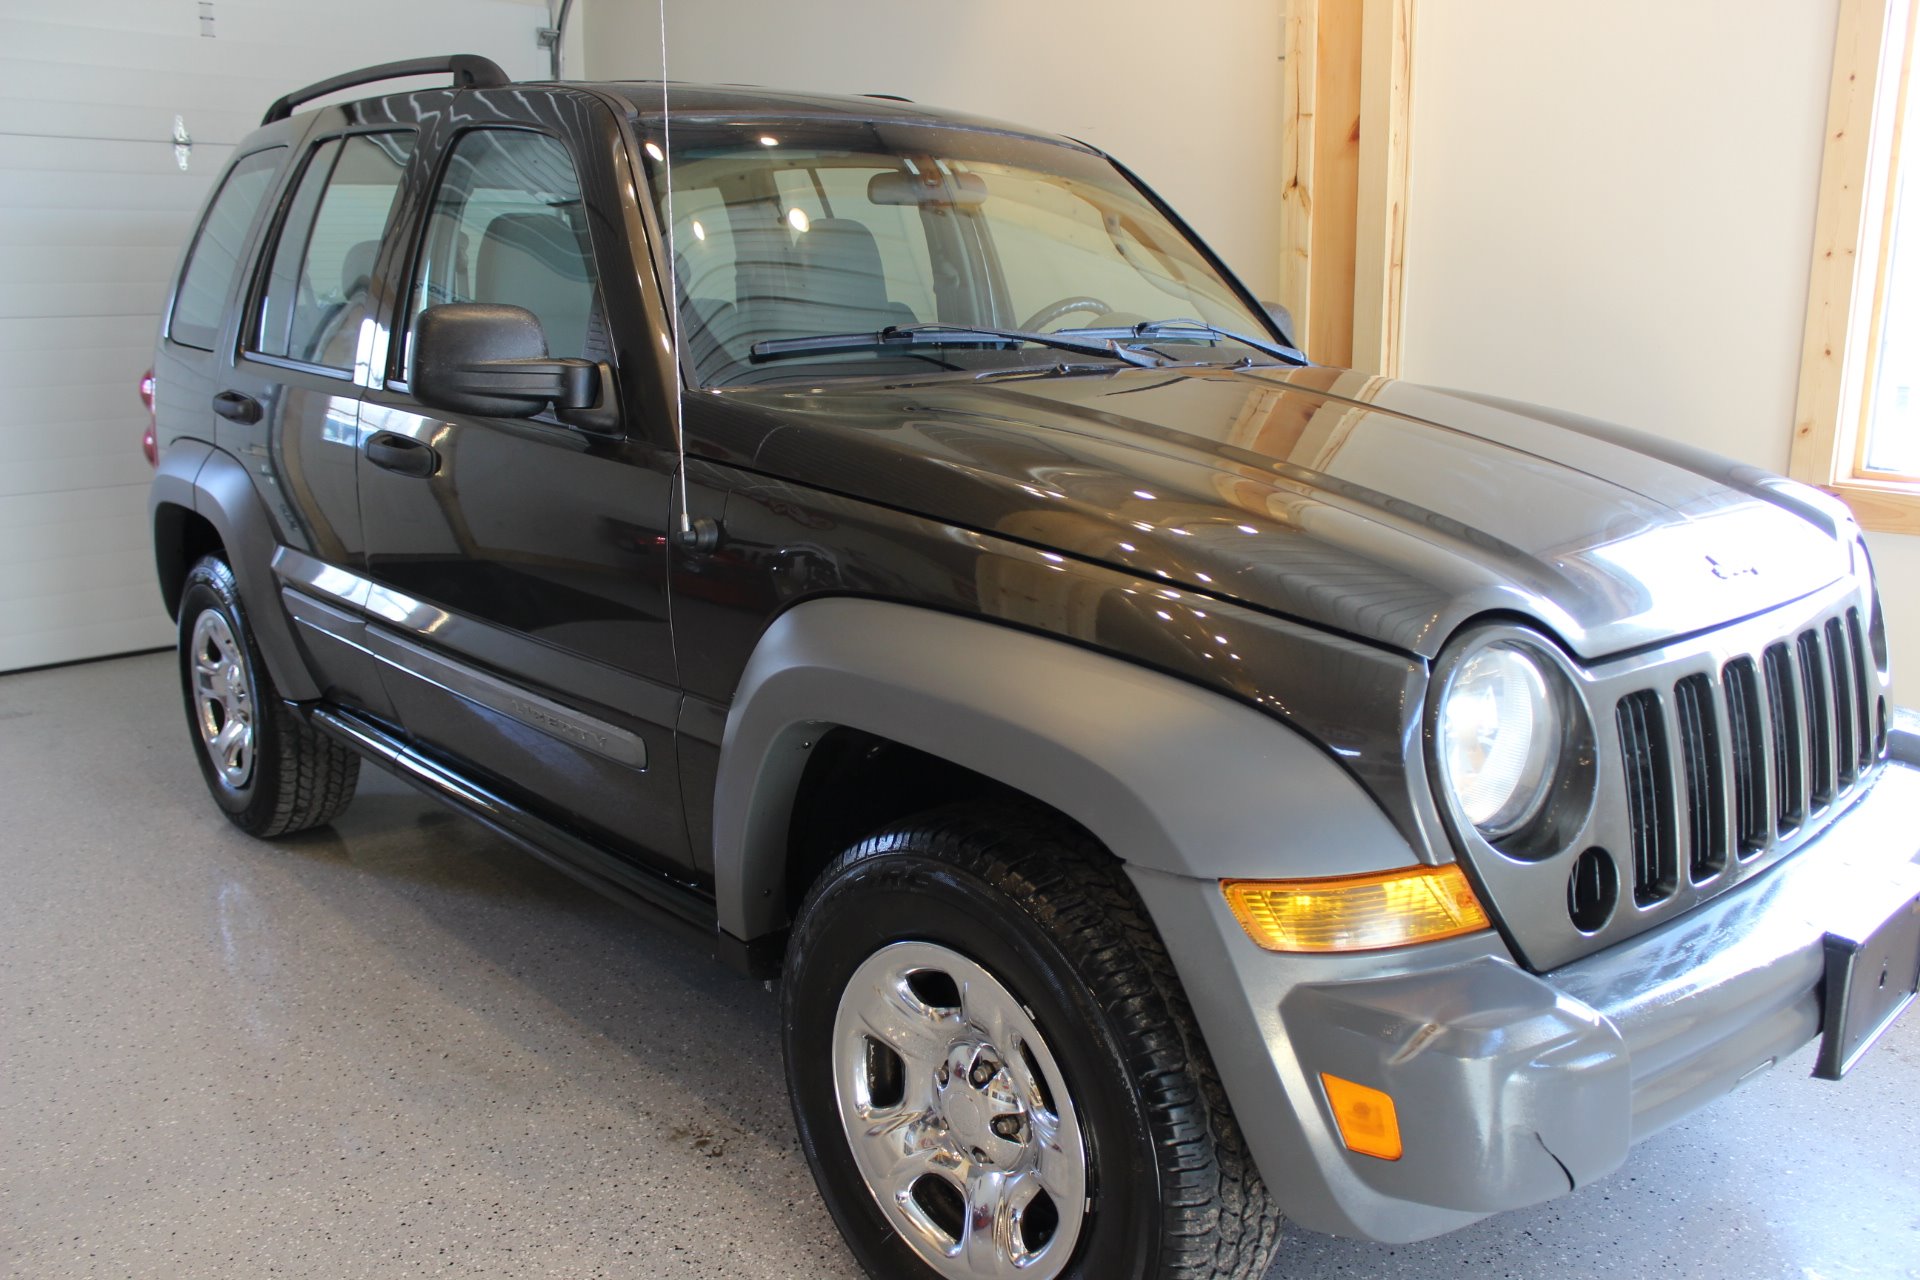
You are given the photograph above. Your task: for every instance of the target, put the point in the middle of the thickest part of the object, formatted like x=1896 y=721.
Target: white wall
x=93 y=211
x=1610 y=209
x=1188 y=99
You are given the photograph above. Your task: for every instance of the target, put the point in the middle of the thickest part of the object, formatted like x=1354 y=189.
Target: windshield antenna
x=686 y=534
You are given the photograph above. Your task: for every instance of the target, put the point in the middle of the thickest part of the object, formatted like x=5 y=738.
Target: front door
x=519 y=566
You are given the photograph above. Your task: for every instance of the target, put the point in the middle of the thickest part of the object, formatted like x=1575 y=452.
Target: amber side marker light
x=1368 y=1123
x=1357 y=913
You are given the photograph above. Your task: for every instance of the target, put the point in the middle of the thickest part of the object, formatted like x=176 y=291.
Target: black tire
x=1172 y=1191
x=295 y=778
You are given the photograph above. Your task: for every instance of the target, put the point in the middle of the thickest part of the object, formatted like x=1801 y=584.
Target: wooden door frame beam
x=1345 y=160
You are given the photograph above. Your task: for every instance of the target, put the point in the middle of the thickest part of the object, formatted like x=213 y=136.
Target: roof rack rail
x=470 y=71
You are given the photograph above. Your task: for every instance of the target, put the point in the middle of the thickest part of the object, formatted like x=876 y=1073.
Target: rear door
x=290 y=409
x=519 y=566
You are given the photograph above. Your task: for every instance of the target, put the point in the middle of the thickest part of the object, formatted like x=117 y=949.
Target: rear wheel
x=995 y=1072
x=267 y=769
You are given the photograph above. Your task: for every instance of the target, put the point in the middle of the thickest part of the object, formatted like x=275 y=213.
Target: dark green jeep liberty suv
x=1178 y=785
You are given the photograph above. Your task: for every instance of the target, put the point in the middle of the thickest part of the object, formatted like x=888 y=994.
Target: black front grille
x=1643 y=755
x=1706 y=809
x=1759 y=746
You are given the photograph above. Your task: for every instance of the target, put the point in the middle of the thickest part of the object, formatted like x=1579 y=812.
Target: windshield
x=801 y=229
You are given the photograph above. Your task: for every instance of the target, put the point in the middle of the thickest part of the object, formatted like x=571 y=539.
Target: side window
x=202 y=295
x=329 y=242
x=508 y=226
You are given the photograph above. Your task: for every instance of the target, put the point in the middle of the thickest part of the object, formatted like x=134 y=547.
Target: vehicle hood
x=1386 y=510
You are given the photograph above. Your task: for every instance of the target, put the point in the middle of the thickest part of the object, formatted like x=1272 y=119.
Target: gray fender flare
x=1170 y=776
x=212 y=484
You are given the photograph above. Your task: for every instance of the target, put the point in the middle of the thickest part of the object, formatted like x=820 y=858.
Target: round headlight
x=1500 y=731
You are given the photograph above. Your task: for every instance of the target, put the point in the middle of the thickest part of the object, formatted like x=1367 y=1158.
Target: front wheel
x=995 y=1072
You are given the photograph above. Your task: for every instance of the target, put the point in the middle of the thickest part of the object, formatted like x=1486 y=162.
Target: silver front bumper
x=1513 y=1087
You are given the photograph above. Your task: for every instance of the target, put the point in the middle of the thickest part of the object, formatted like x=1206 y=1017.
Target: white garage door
x=93 y=209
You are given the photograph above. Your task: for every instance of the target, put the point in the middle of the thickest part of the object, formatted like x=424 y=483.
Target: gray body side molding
x=1168 y=775
x=213 y=484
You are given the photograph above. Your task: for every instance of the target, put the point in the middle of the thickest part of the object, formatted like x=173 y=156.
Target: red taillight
x=148 y=444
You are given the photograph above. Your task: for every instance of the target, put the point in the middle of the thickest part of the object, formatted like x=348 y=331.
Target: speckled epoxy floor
x=401 y=1047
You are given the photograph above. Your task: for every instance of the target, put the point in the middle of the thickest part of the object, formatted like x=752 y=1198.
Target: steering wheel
x=1066 y=306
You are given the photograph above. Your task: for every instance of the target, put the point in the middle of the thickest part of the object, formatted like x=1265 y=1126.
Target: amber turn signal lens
x=1357 y=913
x=1368 y=1123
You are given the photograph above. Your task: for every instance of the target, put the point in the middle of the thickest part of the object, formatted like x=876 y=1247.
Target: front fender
x=1169 y=776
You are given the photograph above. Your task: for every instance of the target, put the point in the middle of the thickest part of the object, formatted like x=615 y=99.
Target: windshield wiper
x=947 y=335
x=1150 y=329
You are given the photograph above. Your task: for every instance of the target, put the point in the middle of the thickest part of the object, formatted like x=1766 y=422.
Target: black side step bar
x=619 y=879
x=470 y=71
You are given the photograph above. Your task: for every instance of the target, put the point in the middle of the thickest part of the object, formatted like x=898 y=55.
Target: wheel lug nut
x=1007 y=1127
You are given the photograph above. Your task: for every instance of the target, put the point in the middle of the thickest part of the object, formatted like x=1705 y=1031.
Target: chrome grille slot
x=1649 y=777
x=1843 y=703
x=1862 y=691
x=1819 y=718
x=1746 y=734
x=1783 y=715
x=1706 y=813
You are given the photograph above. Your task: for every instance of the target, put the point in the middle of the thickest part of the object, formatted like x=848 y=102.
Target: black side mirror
x=491 y=359
x=1283 y=321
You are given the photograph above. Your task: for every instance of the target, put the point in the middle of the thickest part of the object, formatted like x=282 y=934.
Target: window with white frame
x=1857 y=426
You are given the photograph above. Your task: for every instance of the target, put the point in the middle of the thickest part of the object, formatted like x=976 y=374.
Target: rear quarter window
x=199 y=304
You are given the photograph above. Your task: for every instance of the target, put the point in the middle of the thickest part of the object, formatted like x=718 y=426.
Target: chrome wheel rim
x=958 y=1115
x=222 y=698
